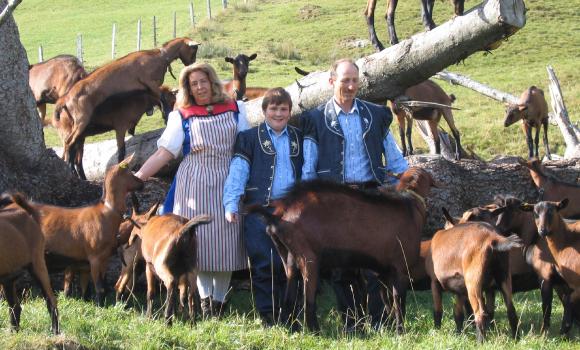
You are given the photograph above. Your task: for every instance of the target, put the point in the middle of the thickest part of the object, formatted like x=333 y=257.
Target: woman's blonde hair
x=184 y=96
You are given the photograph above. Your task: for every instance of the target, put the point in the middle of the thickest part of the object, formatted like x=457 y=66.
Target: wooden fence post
x=139 y=34
x=113 y=41
x=191 y=14
x=174 y=25
x=80 y=48
x=154 y=31
x=208 y=9
x=40 y=58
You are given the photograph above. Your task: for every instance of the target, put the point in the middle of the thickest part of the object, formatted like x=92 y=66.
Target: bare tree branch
x=569 y=131
x=458 y=79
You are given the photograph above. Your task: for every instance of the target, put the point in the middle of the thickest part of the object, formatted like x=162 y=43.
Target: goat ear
x=230 y=60
x=125 y=163
x=193 y=43
x=526 y=207
x=523 y=107
x=497 y=211
x=253 y=56
x=448 y=217
x=133 y=236
x=563 y=204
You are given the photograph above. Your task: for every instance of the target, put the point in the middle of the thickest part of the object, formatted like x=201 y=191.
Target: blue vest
x=256 y=146
x=321 y=125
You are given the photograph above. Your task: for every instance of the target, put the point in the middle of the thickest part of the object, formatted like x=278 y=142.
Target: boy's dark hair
x=276 y=96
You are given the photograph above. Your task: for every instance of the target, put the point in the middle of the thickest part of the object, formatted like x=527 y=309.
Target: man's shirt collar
x=353 y=109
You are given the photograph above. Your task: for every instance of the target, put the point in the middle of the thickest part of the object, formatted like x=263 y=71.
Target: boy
x=267 y=161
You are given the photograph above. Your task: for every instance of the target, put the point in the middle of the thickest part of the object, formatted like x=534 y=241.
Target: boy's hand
x=231 y=217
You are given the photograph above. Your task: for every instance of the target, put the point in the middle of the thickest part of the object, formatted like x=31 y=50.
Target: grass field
x=284 y=37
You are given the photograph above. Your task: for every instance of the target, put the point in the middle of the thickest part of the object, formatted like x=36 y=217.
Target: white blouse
x=172 y=137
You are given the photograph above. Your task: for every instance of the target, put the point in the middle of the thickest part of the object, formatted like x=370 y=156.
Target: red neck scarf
x=212 y=109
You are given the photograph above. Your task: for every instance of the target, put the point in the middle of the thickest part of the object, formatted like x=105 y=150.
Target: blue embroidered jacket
x=256 y=147
x=321 y=125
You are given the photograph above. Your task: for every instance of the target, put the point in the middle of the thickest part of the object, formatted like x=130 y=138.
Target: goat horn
x=193 y=43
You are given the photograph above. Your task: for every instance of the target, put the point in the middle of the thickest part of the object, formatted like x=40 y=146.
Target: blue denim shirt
x=239 y=173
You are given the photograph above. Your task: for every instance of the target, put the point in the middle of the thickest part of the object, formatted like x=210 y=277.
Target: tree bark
x=472 y=183
x=25 y=163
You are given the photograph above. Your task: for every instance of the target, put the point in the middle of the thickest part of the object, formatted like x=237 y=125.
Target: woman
x=204 y=125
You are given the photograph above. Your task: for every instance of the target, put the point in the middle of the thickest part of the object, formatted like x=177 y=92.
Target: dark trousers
x=358 y=294
x=268 y=277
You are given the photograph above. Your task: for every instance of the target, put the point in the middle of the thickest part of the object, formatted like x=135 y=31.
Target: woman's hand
x=231 y=217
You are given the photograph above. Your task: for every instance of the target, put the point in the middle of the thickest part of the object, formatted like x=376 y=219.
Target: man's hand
x=231 y=217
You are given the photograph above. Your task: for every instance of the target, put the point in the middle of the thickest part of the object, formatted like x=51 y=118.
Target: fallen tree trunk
x=458 y=79
x=569 y=131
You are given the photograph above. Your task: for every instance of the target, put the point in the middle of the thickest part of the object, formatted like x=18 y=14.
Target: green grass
x=284 y=39
x=119 y=327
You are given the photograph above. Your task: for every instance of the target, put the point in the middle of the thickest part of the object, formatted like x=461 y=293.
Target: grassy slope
x=551 y=36
x=269 y=27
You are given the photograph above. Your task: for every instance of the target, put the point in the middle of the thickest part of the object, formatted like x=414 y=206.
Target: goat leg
x=537 y=142
x=427 y=14
x=546 y=145
x=528 y=131
x=39 y=273
x=370 y=17
x=14 y=308
x=310 y=277
x=170 y=302
x=437 y=303
x=506 y=292
x=546 y=292
x=390 y=17
x=409 y=134
x=567 y=318
x=458 y=313
x=150 y=289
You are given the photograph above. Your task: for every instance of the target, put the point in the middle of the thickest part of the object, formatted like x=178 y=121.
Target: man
x=347 y=140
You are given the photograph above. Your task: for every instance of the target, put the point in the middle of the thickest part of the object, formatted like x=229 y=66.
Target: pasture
x=285 y=34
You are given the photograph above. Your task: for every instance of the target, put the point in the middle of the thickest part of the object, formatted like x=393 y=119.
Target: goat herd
x=507 y=245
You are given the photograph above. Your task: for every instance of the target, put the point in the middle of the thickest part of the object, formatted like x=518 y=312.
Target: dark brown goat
x=426 y=14
x=169 y=247
x=138 y=71
x=465 y=259
x=532 y=110
x=236 y=88
x=52 y=79
x=427 y=91
x=22 y=248
x=121 y=113
x=88 y=234
x=564 y=243
x=553 y=189
x=324 y=225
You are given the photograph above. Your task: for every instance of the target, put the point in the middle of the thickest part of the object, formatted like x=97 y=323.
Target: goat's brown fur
x=120 y=112
x=553 y=189
x=427 y=91
x=169 y=247
x=137 y=71
x=465 y=259
x=532 y=109
x=22 y=248
x=88 y=234
x=52 y=79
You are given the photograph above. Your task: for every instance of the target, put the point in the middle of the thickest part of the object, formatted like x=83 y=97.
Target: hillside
x=311 y=35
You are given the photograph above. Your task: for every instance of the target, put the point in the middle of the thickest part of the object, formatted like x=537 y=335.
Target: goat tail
x=270 y=218
x=505 y=244
x=198 y=220
x=452 y=98
x=19 y=199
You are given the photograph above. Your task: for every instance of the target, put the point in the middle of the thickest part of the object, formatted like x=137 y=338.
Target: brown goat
x=326 y=225
x=427 y=91
x=426 y=14
x=52 y=79
x=553 y=189
x=236 y=88
x=138 y=71
x=169 y=247
x=121 y=113
x=132 y=257
x=22 y=248
x=532 y=109
x=88 y=234
x=564 y=244
x=465 y=259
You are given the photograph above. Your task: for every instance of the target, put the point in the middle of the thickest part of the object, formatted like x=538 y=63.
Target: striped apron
x=199 y=190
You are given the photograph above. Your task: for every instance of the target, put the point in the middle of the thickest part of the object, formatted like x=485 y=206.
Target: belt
x=369 y=185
